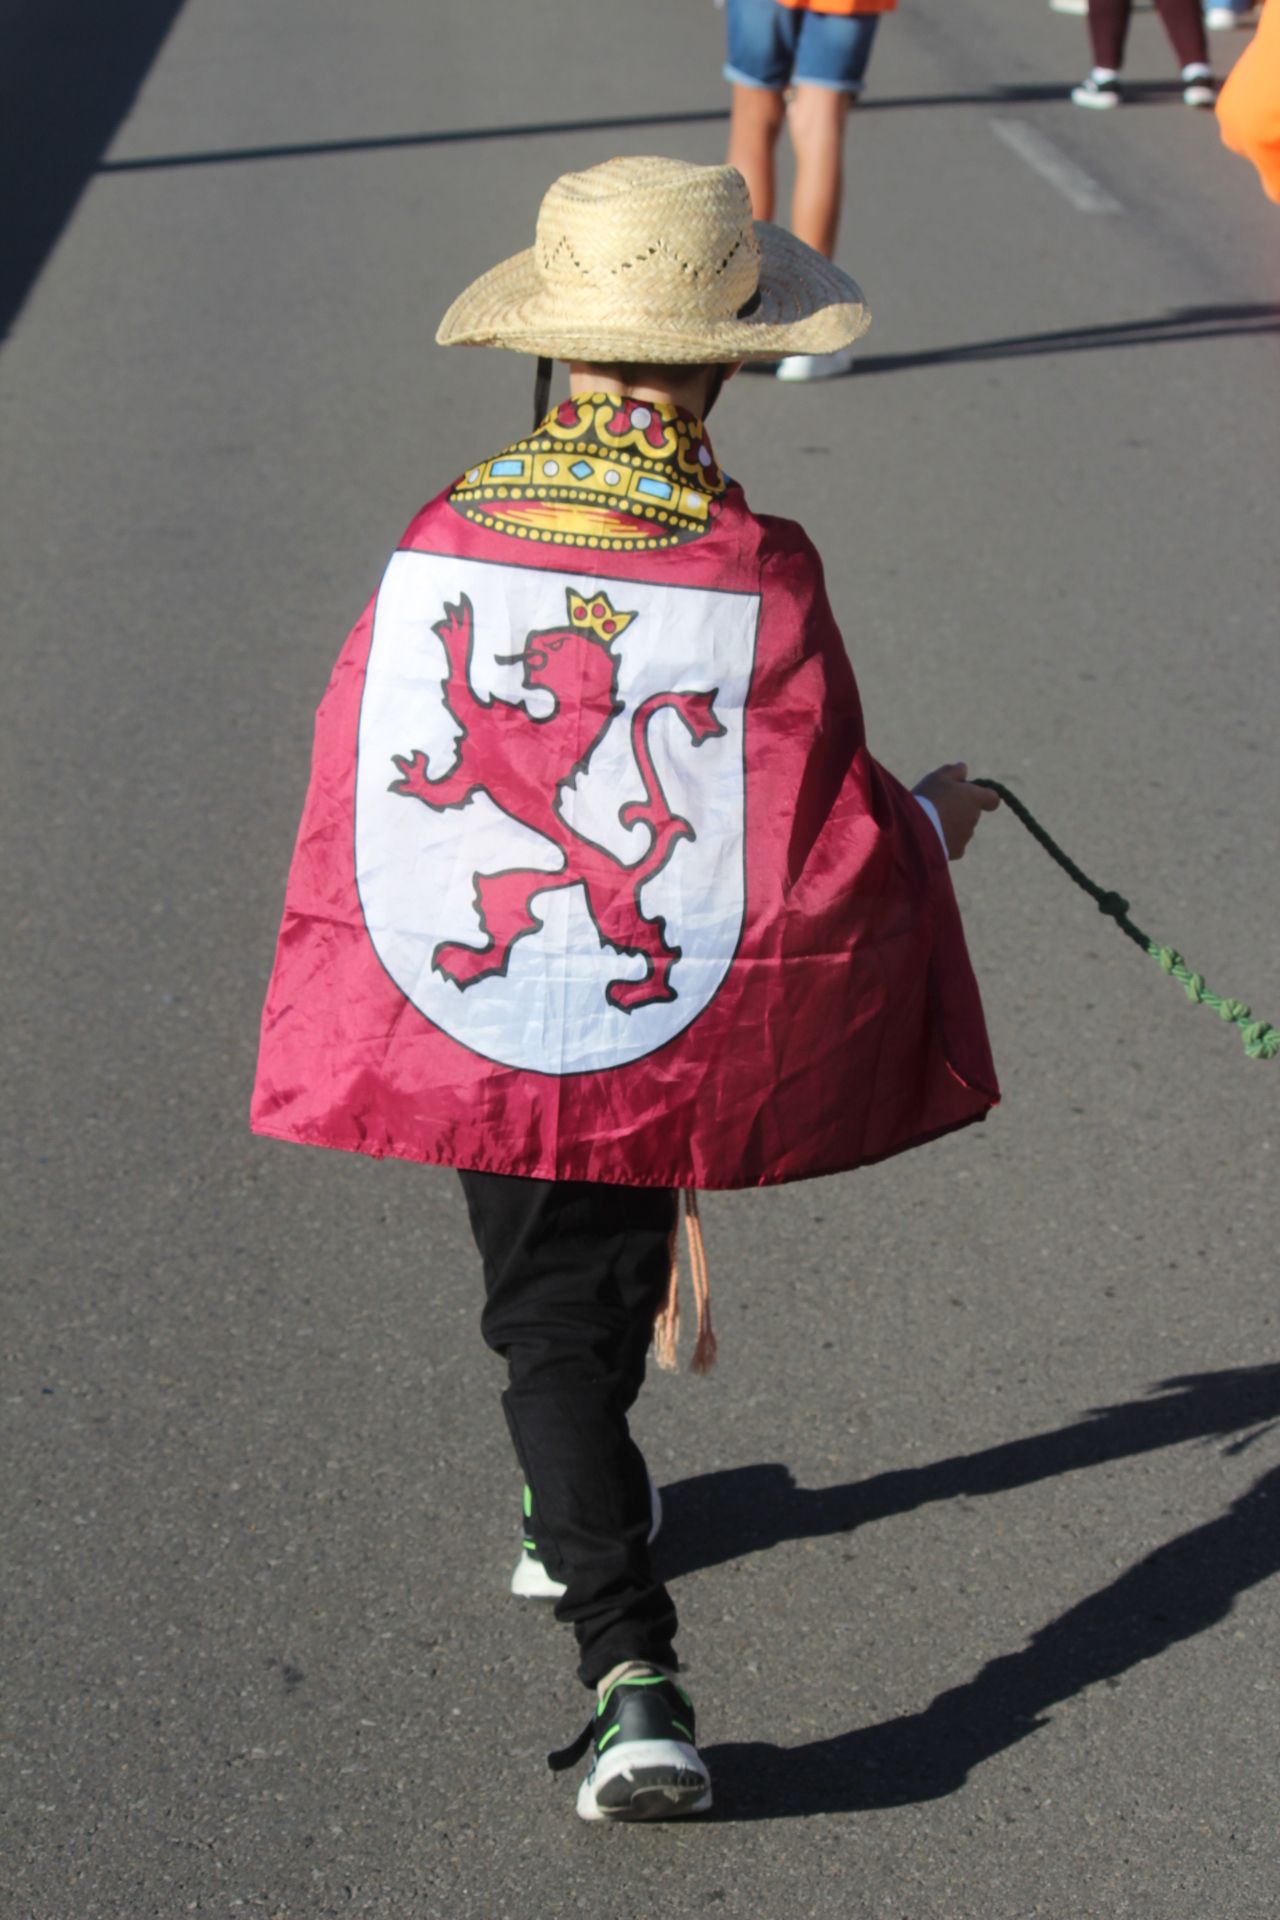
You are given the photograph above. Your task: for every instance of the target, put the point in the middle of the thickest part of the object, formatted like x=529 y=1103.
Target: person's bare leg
x=1108 y=31
x=1183 y=21
x=817 y=123
x=754 y=126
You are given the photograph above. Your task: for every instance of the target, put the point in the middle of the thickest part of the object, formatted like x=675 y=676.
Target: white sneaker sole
x=815 y=366
x=1100 y=102
x=645 y=1780
x=531 y=1581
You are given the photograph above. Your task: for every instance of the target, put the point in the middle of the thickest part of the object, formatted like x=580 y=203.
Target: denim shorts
x=777 y=47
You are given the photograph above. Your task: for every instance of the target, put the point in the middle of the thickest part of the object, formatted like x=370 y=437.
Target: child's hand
x=958 y=802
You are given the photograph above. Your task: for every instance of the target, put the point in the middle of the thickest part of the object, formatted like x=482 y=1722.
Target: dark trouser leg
x=1108 y=29
x=1184 y=24
x=574 y=1275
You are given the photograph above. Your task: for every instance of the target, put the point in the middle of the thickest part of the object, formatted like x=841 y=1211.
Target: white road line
x=1079 y=187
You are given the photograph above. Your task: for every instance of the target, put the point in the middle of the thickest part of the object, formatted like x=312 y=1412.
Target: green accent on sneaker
x=603 y=1742
x=528 y=1502
x=530 y=1546
x=683 y=1729
x=641 y=1680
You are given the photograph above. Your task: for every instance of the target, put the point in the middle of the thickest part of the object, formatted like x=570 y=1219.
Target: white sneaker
x=1199 y=88
x=816 y=366
x=1069 y=6
x=531 y=1581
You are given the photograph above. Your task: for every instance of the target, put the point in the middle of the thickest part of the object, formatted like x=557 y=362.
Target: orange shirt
x=842 y=6
x=1249 y=104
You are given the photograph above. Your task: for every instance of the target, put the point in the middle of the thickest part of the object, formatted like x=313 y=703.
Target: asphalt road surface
x=974 y=1530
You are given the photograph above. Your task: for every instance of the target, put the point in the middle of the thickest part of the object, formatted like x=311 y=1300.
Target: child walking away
x=1108 y=30
x=599 y=893
x=803 y=62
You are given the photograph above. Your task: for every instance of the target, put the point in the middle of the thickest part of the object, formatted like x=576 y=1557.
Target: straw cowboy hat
x=656 y=260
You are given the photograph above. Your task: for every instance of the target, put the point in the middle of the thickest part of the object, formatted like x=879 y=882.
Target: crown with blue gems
x=581 y=485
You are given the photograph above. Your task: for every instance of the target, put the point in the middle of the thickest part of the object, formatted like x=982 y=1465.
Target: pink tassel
x=705 y=1348
x=666 y=1328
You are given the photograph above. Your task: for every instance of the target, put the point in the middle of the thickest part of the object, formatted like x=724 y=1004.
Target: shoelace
x=565 y=1757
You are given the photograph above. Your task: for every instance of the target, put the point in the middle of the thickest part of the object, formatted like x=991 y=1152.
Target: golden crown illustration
x=595 y=614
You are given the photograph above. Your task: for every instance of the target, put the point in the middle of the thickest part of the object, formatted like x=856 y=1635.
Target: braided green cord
x=1261 y=1040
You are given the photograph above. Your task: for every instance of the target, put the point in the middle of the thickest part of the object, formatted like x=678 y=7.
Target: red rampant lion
x=522 y=762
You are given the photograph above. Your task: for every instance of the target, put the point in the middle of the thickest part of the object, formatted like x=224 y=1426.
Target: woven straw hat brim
x=807 y=305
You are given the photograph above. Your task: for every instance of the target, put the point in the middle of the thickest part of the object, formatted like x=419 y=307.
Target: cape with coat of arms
x=596 y=877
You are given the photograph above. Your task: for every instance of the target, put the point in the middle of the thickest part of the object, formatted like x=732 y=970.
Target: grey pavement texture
x=974 y=1531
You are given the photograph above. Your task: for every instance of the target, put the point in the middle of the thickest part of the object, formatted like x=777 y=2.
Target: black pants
x=574 y=1275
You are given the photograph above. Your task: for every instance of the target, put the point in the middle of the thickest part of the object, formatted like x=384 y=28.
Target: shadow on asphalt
x=1164 y=329
x=1177 y=1591
x=72 y=69
x=534 y=129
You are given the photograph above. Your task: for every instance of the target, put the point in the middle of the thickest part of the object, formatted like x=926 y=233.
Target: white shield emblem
x=550 y=804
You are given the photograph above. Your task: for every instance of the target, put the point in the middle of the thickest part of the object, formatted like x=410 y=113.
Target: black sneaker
x=1199 y=88
x=645 y=1765
x=1099 y=89
x=531 y=1581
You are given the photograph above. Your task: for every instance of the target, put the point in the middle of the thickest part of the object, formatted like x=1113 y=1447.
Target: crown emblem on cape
x=600 y=471
x=597 y=616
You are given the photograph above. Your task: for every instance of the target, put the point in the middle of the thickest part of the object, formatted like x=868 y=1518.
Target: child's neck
x=689 y=394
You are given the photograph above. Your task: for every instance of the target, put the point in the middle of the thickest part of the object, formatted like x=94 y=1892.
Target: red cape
x=718 y=945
